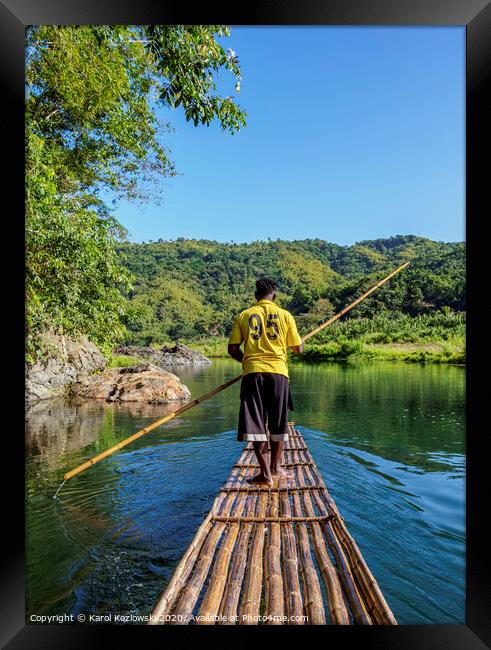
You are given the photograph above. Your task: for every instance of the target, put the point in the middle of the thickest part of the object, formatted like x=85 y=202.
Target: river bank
x=437 y=337
x=70 y=367
x=451 y=351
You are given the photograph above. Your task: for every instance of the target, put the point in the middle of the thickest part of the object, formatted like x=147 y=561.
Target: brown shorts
x=264 y=402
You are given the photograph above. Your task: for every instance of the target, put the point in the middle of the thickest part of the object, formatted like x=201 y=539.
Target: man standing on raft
x=266 y=331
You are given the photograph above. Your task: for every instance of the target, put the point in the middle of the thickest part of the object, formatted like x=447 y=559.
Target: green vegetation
x=357 y=350
x=192 y=290
x=122 y=361
x=215 y=346
x=437 y=337
x=92 y=131
x=393 y=327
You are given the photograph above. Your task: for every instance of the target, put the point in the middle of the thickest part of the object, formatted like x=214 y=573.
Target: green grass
x=357 y=350
x=123 y=361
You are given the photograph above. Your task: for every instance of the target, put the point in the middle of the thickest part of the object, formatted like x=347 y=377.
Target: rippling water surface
x=388 y=439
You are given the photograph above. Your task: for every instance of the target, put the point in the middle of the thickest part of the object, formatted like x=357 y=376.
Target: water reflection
x=398 y=411
x=58 y=427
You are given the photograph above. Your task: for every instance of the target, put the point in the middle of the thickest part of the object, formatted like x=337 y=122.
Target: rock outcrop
x=141 y=383
x=179 y=355
x=67 y=362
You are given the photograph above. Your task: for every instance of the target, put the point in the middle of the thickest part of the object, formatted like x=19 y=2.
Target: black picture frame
x=476 y=16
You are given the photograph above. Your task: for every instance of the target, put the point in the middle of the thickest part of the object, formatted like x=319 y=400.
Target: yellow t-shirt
x=267 y=331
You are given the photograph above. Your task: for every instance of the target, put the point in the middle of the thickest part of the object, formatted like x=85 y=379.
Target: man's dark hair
x=265 y=286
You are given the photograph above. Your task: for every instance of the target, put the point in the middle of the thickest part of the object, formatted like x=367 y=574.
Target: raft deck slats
x=262 y=554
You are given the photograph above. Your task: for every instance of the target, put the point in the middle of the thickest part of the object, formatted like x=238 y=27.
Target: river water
x=388 y=438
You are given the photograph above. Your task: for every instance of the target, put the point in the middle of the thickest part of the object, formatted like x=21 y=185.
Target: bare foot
x=260 y=479
x=281 y=473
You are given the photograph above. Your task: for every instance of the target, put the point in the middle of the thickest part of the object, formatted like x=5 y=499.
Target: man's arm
x=235 y=352
x=235 y=341
x=294 y=341
x=297 y=349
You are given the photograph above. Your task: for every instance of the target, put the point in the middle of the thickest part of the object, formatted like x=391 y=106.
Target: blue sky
x=353 y=133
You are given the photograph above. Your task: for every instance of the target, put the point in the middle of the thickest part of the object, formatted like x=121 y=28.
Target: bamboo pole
x=313 y=604
x=249 y=607
x=199 y=400
x=230 y=598
x=377 y=605
x=293 y=595
x=190 y=593
x=314 y=476
x=184 y=568
x=287 y=464
x=211 y=602
x=355 y=302
x=327 y=506
x=337 y=610
x=150 y=427
x=281 y=519
x=356 y=602
x=273 y=580
x=267 y=488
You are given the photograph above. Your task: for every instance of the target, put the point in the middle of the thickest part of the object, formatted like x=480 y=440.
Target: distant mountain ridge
x=193 y=288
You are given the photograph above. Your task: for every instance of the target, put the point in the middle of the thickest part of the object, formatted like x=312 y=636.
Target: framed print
x=250 y=233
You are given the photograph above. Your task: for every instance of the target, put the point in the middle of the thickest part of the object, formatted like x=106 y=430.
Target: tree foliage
x=316 y=279
x=92 y=98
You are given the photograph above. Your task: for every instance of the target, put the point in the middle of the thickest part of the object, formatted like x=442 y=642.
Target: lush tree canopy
x=315 y=278
x=92 y=94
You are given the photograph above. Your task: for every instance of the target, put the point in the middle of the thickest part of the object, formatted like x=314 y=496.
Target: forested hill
x=194 y=288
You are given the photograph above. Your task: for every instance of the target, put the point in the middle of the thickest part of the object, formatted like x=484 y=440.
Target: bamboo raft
x=273 y=555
